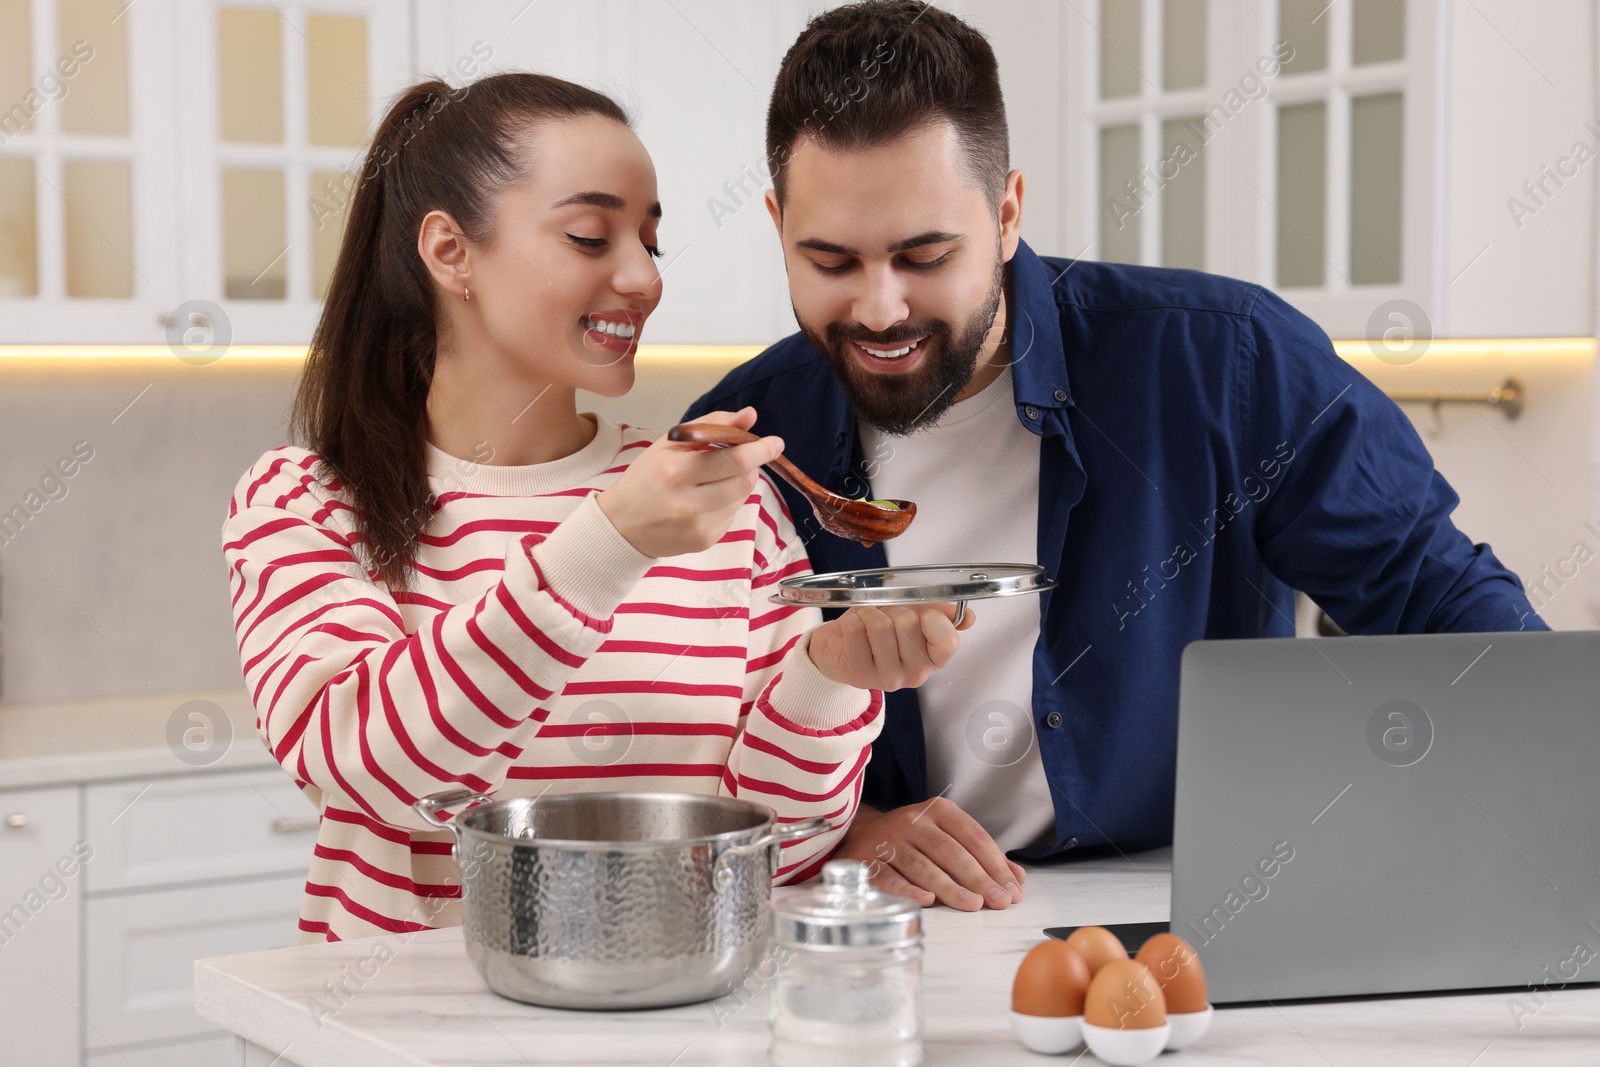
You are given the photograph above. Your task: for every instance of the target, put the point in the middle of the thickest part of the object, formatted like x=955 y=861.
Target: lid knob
x=847 y=876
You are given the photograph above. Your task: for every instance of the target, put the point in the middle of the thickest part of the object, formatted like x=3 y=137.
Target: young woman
x=464 y=582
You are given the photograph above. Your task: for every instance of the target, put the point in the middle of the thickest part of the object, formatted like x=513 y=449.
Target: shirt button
x=1031 y=411
x=1053 y=719
x=1071 y=842
x=1060 y=395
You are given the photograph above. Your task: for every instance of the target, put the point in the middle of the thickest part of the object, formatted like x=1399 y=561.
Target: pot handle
x=722 y=874
x=430 y=806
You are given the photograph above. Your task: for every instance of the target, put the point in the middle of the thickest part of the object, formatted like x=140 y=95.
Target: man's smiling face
x=896 y=258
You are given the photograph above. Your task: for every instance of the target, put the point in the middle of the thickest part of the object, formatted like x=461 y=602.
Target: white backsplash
x=118 y=586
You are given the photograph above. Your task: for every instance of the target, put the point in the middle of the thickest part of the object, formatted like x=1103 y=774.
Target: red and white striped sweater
x=536 y=650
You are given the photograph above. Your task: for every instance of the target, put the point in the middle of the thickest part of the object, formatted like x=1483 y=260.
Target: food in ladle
x=857 y=520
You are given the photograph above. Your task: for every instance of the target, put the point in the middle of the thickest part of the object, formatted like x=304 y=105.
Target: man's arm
x=1357 y=518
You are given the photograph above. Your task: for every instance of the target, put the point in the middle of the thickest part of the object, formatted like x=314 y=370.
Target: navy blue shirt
x=1202 y=453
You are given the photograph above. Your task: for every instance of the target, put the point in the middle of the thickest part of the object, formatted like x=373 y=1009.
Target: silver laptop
x=1373 y=815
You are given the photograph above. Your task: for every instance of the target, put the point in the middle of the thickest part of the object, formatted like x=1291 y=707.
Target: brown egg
x=1051 y=981
x=1177 y=968
x=1097 y=945
x=1124 y=995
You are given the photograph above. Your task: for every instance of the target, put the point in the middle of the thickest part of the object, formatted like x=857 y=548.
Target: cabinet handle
x=17 y=820
x=294 y=826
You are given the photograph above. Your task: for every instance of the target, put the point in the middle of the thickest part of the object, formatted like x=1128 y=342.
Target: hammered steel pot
x=614 y=900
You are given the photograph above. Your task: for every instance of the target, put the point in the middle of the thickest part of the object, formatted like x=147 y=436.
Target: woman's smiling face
x=567 y=277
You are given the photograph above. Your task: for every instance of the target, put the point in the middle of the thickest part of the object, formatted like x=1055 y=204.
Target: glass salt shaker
x=848 y=991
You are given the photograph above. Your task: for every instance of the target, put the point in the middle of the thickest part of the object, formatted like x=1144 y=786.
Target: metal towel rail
x=1507 y=397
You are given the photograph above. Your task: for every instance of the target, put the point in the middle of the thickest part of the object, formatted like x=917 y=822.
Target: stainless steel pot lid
x=880 y=586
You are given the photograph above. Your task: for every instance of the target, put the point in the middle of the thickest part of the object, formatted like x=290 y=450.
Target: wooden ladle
x=854 y=520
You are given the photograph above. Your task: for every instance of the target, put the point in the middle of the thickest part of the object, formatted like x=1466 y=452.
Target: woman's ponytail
x=362 y=399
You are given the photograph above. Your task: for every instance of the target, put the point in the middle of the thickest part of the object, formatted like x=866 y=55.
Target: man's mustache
x=838 y=332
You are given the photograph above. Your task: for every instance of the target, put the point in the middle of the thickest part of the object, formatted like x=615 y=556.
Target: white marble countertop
x=50 y=742
x=427 y=1007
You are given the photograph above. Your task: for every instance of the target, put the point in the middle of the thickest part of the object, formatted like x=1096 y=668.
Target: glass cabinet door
x=1288 y=142
x=289 y=94
x=86 y=170
x=154 y=154
x=1151 y=131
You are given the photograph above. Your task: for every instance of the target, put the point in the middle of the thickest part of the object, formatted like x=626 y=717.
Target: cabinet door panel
x=198 y=827
x=142 y=949
x=39 y=907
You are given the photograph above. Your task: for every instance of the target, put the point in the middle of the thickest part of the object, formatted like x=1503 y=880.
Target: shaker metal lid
x=847 y=911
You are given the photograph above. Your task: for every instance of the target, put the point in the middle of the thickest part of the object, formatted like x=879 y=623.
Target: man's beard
x=900 y=404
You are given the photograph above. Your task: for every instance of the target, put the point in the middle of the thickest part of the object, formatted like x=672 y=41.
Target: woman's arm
x=349 y=702
x=805 y=739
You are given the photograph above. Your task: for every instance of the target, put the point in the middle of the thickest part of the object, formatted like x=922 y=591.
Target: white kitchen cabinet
x=1374 y=179
x=204 y=827
x=39 y=927
x=142 y=948
x=193 y=866
x=1522 y=147
x=111 y=889
x=1388 y=167
x=133 y=212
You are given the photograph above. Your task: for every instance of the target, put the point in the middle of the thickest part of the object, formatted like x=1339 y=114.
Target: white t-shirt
x=975 y=477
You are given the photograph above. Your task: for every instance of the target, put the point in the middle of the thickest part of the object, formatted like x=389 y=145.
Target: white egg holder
x=1188 y=1026
x=1055 y=1036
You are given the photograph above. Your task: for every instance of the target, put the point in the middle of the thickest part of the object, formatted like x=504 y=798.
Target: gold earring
x=466 y=294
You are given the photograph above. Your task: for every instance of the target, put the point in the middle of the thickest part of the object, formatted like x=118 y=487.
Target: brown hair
x=866 y=74
x=361 y=402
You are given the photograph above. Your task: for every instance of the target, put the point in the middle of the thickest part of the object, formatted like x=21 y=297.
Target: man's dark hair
x=868 y=73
